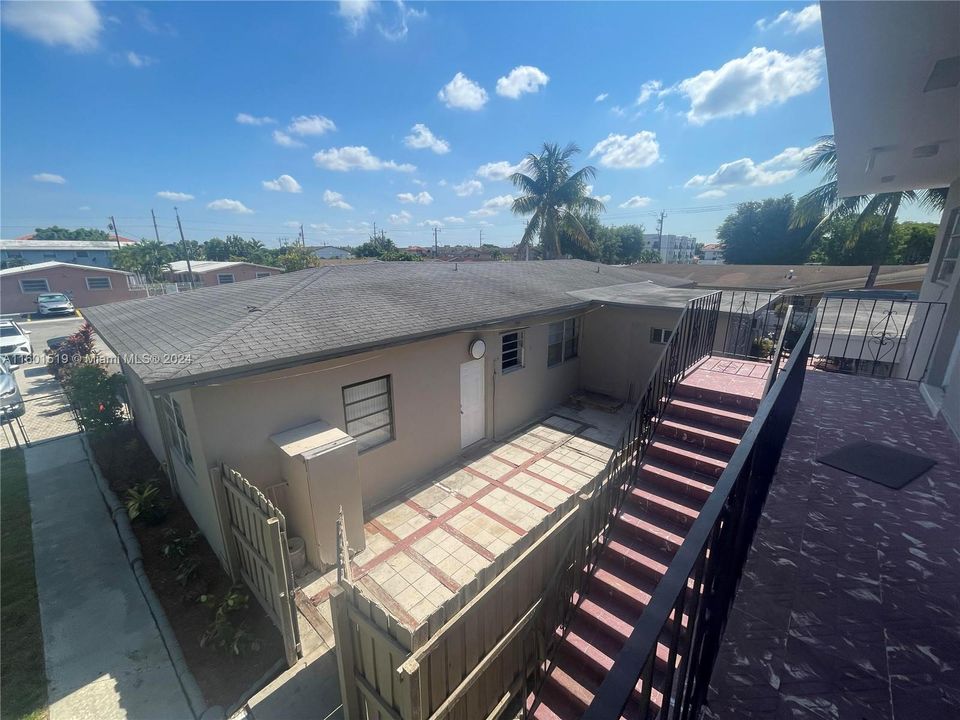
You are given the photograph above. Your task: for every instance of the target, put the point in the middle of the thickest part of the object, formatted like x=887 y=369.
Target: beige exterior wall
x=617 y=356
x=144 y=414
x=241 y=272
x=69 y=279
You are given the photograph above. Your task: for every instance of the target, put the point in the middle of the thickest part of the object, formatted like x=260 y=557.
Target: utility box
x=319 y=464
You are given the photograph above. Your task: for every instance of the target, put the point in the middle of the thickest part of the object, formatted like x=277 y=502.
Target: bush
x=144 y=502
x=762 y=348
x=222 y=633
x=94 y=395
x=75 y=350
x=177 y=547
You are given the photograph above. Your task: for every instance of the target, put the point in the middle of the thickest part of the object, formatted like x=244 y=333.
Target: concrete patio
x=426 y=544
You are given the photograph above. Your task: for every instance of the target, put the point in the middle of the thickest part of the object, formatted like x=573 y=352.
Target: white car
x=14 y=342
x=11 y=403
x=54 y=304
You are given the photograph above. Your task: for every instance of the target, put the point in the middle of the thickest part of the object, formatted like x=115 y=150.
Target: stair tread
x=552 y=704
x=719 y=397
x=683 y=476
x=674 y=445
x=719 y=410
x=716 y=432
x=683 y=504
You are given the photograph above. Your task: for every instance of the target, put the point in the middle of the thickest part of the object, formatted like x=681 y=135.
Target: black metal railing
x=752 y=321
x=691 y=341
x=878 y=337
x=703 y=576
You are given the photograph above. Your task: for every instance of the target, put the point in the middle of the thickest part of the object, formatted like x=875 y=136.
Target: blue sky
x=255 y=117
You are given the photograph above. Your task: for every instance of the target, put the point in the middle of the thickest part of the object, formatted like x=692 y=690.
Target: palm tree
x=823 y=203
x=556 y=196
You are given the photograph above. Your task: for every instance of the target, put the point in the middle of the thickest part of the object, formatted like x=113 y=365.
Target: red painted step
x=676 y=479
x=706 y=462
x=737 y=420
x=717 y=397
x=705 y=435
x=674 y=507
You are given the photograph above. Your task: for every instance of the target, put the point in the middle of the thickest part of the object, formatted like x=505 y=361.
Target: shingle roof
x=337 y=310
x=800 y=278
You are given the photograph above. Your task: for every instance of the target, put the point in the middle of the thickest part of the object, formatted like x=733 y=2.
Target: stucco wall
x=617 y=356
x=240 y=273
x=144 y=414
x=239 y=417
x=69 y=280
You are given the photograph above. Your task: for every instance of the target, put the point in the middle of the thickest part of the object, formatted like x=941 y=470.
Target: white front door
x=472 y=418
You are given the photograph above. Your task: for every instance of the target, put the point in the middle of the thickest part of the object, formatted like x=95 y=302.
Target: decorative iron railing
x=702 y=579
x=692 y=341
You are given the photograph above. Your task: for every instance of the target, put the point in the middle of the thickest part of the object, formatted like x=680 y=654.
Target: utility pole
x=183 y=244
x=303 y=242
x=660 y=233
x=155 y=231
x=113 y=226
x=436 y=244
x=481 y=237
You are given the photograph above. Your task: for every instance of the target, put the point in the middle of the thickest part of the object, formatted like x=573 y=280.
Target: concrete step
x=712 y=396
x=656 y=472
x=699 y=460
x=700 y=434
x=690 y=409
x=670 y=505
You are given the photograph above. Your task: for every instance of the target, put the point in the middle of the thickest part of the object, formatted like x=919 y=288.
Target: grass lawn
x=23 y=683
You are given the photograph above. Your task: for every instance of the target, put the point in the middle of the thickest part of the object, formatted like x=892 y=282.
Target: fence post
x=346 y=663
x=217 y=475
x=281 y=571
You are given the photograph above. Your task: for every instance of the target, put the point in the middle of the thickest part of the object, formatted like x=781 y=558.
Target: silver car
x=11 y=403
x=55 y=304
x=14 y=342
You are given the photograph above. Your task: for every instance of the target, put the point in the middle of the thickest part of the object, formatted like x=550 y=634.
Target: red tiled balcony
x=849 y=606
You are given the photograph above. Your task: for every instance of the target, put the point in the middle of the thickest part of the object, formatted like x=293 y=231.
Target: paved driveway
x=104 y=655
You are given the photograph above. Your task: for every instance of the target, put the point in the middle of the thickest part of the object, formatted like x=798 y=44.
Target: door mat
x=883 y=464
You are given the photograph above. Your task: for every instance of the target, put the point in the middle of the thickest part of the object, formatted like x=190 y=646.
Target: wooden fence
x=255 y=537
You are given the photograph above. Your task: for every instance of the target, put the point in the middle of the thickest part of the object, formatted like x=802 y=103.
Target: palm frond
x=822 y=157
x=934 y=199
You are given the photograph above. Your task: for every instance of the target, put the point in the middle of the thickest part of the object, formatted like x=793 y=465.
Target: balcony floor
x=850 y=602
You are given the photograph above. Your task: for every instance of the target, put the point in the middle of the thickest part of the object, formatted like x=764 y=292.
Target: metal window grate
x=35 y=286
x=98 y=283
x=368 y=412
x=511 y=351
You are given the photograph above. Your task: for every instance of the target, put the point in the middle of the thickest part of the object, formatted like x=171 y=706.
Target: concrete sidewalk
x=104 y=655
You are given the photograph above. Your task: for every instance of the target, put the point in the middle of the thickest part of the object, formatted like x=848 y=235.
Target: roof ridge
x=206 y=348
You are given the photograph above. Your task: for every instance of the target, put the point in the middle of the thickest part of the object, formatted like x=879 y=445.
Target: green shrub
x=94 y=395
x=222 y=633
x=144 y=502
x=176 y=546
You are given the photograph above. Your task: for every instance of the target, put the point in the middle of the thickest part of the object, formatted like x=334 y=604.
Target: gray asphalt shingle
x=334 y=311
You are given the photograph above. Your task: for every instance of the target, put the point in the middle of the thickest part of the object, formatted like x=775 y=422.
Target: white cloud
x=745 y=85
x=421 y=198
x=637 y=201
x=335 y=200
x=501 y=170
x=793 y=22
x=175 y=196
x=522 y=79
x=421 y=138
x=468 y=188
x=400 y=218
x=310 y=125
x=138 y=61
x=648 y=90
x=711 y=195
x=463 y=93
x=248 y=119
x=431 y=223
x=284 y=140
x=74 y=24
x=602 y=198
x=84 y=208
x=292 y=224
x=619 y=151
x=50 y=178
x=601 y=97
x=356 y=157
x=745 y=172
x=234 y=206
x=453 y=219
x=284 y=183
x=618 y=111
x=442 y=183
x=499 y=202
x=355 y=13
x=399 y=30
x=483 y=212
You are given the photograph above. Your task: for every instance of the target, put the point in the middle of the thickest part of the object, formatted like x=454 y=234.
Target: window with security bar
x=368 y=412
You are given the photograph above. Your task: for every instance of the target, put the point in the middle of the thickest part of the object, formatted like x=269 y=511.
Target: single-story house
x=793 y=279
x=399 y=367
x=86 y=286
x=712 y=254
x=329 y=252
x=214 y=272
x=28 y=251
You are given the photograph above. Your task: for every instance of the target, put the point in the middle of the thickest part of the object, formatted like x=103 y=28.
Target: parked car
x=14 y=342
x=11 y=403
x=55 y=304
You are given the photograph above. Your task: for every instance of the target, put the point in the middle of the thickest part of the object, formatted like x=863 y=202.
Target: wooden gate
x=255 y=536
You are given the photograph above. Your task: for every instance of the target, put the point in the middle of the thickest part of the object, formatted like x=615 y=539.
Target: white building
x=712 y=254
x=672 y=248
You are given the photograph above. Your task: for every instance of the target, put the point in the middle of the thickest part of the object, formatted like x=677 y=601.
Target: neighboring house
x=213 y=272
x=368 y=349
x=329 y=252
x=86 y=286
x=672 y=248
x=712 y=254
x=27 y=251
x=794 y=279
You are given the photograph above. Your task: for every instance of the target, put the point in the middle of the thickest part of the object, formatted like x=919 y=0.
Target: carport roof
x=286 y=320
